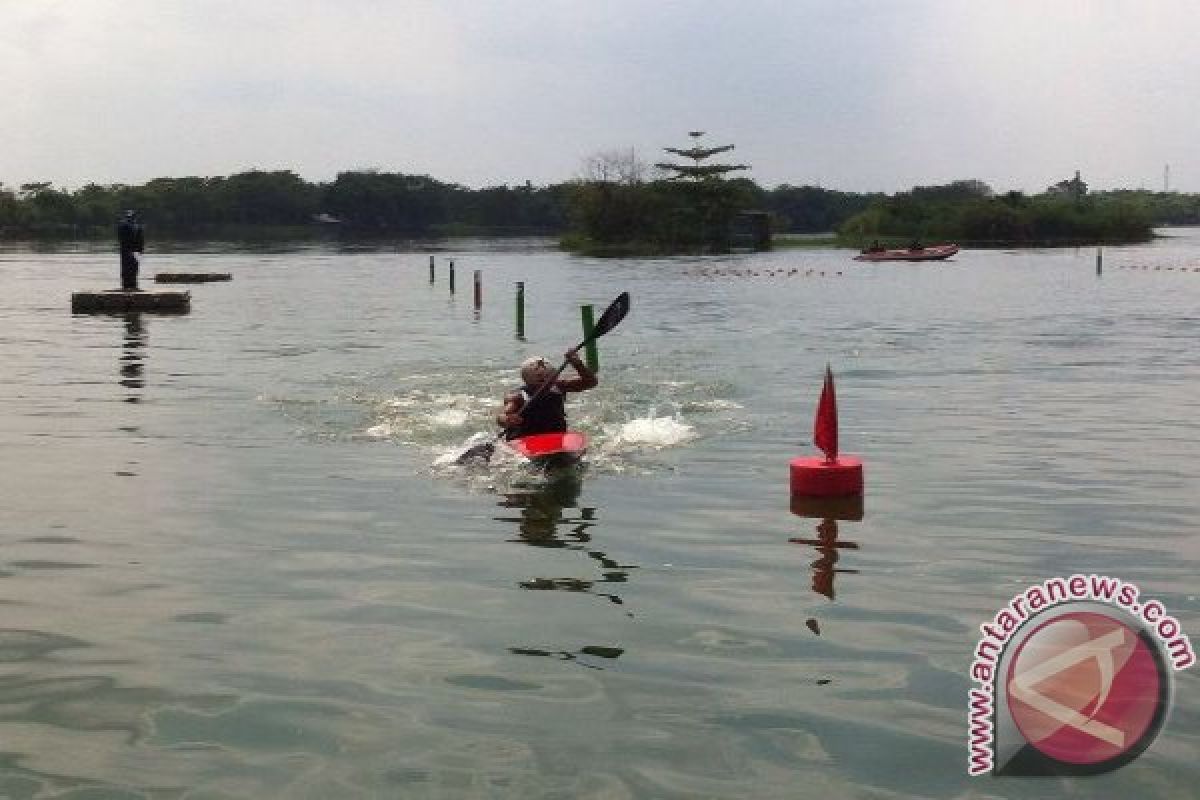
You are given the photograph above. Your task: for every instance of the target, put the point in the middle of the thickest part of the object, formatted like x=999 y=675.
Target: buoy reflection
x=828 y=544
x=825 y=567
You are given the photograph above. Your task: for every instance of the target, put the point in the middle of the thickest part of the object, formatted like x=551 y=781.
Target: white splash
x=449 y=418
x=380 y=431
x=501 y=456
x=654 y=432
x=449 y=457
x=711 y=405
x=458 y=400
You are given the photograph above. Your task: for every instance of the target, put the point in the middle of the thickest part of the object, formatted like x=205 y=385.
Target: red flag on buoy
x=825 y=427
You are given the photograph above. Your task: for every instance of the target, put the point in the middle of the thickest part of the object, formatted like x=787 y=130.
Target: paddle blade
x=612 y=316
x=478 y=448
x=480 y=452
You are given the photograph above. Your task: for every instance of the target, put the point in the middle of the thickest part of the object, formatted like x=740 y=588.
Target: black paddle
x=611 y=317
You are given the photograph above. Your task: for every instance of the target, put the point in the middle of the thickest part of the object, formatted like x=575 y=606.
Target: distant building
x=1073 y=187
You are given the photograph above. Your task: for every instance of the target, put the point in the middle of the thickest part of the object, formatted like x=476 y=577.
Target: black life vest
x=546 y=414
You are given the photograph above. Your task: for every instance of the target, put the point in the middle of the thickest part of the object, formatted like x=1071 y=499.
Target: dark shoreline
x=255 y=237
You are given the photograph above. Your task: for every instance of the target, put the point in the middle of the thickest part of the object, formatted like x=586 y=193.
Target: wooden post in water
x=452 y=276
x=478 y=290
x=591 y=356
x=1099 y=260
x=521 y=310
x=431 y=269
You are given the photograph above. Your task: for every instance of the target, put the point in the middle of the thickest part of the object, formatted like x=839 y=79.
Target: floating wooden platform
x=192 y=277
x=118 y=300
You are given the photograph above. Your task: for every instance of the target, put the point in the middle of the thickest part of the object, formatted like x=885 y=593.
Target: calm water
x=229 y=570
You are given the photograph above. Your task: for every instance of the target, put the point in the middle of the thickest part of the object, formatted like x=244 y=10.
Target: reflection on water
x=282 y=606
x=549 y=516
x=825 y=567
x=827 y=541
x=541 y=515
x=133 y=357
x=541 y=507
x=568 y=655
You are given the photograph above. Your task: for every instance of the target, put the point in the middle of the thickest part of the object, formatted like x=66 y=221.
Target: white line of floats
x=813 y=273
x=767 y=273
x=1163 y=269
x=831 y=274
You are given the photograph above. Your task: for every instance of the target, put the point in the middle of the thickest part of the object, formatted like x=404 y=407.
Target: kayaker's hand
x=586 y=379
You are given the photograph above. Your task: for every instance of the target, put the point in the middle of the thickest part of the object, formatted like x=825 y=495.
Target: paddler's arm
x=586 y=379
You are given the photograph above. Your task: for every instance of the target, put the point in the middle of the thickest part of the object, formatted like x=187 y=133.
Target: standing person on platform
x=131 y=239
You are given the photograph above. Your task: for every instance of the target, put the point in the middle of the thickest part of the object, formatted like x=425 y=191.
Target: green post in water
x=452 y=276
x=520 y=309
x=431 y=269
x=591 y=356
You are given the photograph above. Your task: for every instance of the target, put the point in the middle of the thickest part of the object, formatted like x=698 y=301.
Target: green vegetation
x=804 y=241
x=613 y=210
x=811 y=209
x=969 y=212
x=360 y=203
x=657 y=217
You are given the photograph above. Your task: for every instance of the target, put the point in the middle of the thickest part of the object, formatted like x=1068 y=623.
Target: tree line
x=609 y=206
x=362 y=202
x=370 y=201
x=968 y=211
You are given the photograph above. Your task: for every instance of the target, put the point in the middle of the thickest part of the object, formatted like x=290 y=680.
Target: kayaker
x=547 y=413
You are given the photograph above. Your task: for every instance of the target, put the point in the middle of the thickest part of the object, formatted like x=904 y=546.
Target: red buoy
x=813 y=476
x=833 y=475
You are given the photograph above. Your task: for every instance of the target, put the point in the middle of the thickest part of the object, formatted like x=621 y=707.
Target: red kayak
x=551 y=449
x=935 y=253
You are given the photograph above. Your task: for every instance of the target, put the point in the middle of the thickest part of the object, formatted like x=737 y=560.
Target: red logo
x=1086 y=689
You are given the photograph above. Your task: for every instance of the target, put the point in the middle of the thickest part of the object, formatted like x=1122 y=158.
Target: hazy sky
x=848 y=94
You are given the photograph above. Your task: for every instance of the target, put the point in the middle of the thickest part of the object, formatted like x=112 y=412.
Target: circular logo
x=1087 y=689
